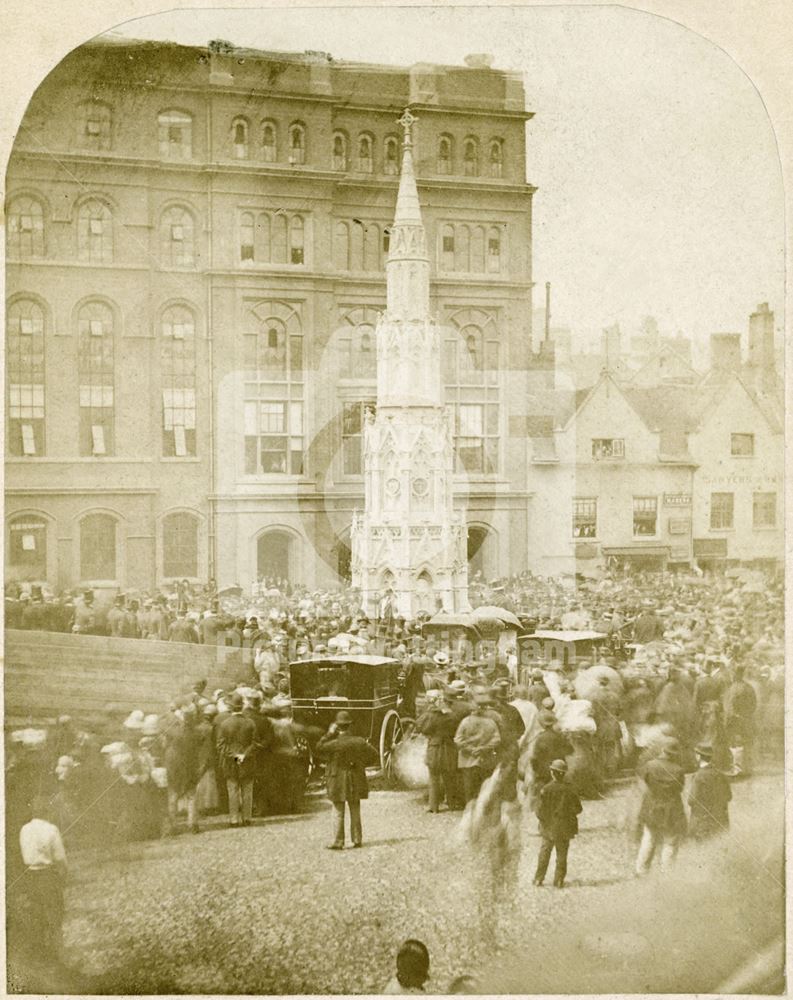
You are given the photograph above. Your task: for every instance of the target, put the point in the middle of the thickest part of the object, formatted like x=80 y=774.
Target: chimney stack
x=761 y=343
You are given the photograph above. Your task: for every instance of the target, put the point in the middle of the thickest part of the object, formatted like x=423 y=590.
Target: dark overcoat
x=346 y=758
x=708 y=800
x=439 y=728
x=558 y=810
x=236 y=735
x=662 y=806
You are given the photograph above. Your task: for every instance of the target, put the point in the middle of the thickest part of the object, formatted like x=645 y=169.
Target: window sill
x=742 y=456
x=181 y=458
x=766 y=527
x=721 y=531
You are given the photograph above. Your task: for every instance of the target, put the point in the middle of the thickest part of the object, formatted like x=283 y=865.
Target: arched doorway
x=424 y=594
x=274 y=556
x=477 y=552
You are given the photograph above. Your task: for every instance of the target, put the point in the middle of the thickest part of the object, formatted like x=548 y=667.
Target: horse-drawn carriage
x=365 y=686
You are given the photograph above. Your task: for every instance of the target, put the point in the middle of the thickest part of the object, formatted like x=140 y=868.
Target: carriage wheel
x=390 y=735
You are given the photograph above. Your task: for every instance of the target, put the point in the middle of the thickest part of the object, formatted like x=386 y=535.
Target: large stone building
x=196 y=244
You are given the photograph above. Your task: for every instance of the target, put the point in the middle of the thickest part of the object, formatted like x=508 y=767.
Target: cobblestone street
x=268 y=910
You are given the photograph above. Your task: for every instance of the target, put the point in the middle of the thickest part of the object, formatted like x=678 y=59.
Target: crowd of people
x=686 y=691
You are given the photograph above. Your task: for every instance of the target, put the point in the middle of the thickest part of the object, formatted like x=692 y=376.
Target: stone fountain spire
x=409 y=541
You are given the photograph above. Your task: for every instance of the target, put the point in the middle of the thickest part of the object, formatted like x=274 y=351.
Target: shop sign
x=677 y=499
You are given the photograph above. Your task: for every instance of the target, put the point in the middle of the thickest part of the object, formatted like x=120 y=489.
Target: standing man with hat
x=236 y=738
x=44 y=875
x=346 y=758
x=662 y=816
x=557 y=811
x=708 y=798
x=478 y=741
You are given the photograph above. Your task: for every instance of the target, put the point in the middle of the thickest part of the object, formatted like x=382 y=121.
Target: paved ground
x=267 y=909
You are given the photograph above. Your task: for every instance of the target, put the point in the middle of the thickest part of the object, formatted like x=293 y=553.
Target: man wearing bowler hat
x=557 y=812
x=346 y=758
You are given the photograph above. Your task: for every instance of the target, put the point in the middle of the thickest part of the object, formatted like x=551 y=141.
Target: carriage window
x=332 y=682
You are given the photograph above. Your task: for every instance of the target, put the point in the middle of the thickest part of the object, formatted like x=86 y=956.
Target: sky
x=659 y=184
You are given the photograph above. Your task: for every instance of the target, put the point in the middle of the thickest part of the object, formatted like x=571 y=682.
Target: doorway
x=274 y=556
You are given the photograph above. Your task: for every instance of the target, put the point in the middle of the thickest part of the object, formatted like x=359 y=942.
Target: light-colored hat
x=457 y=686
x=29 y=737
x=441 y=658
x=150 y=725
x=135 y=719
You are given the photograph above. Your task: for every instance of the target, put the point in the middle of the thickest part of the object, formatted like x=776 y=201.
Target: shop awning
x=661 y=551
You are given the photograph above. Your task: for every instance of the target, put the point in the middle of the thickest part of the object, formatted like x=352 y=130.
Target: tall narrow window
x=280 y=238
x=341 y=246
x=447 y=248
x=585 y=517
x=178 y=372
x=177 y=246
x=96 y=375
x=269 y=143
x=25 y=366
x=354 y=415
x=296 y=240
x=175 y=131
x=462 y=249
x=25 y=228
x=391 y=156
x=180 y=546
x=94 y=233
x=722 y=510
x=247 y=237
x=645 y=516
x=444 y=155
x=98 y=548
x=471 y=158
x=358 y=355
x=274 y=391
x=239 y=138
x=339 y=151
x=471 y=376
x=297 y=143
x=493 y=250
x=764 y=510
x=27 y=547
x=496 y=158
x=95 y=126
x=365 y=164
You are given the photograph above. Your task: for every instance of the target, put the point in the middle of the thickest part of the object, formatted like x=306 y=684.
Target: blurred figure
x=557 y=811
x=478 y=740
x=439 y=724
x=347 y=757
x=412 y=969
x=662 y=817
x=708 y=798
x=740 y=705
x=44 y=858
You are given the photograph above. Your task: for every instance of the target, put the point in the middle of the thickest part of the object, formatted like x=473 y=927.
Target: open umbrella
x=501 y=614
x=448 y=620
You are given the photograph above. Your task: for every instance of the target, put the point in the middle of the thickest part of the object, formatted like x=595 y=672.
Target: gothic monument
x=409 y=546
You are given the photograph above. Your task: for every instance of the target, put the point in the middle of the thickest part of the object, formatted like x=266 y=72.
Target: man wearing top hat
x=346 y=758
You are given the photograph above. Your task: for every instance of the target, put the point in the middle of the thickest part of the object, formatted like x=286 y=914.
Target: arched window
x=239 y=138
x=357 y=343
x=471 y=158
x=365 y=145
x=98 y=548
x=496 y=158
x=447 y=247
x=341 y=246
x=339 y=151
x=371 y=247
x=493 y=250
x=296 y=240
x=471 y=373
x=247 y=236
x=273 y=390
x=177 y=247
x=95 y=126
x=462 y=249
x=269 y=142
x=180 y=546
x=27 y=547
x=297 y=143
x=96 y=377
x=94 y=232
x=25 y=367
x=445 y=154
x=280 y=238
x=175 y=132
x=391 y=156
x=478 y=250
x=356 y=244
x=178 y=373
x=25 y=232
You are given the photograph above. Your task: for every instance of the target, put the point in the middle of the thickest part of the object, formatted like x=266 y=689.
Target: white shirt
x=41 y=844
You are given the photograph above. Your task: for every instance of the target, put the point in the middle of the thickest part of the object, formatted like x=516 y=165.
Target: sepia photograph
x=394 y=487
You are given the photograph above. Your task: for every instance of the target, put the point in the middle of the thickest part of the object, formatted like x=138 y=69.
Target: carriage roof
x=362 y=659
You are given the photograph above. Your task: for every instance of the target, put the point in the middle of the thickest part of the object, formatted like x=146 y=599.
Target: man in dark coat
x=557 y=811
x=236 y=740
x=550 y=745
x=346 y=758
x=439 y=724
x=538 y=691
x=182 y=762
x=708 y=798
x=662 y=816
x=740 y=705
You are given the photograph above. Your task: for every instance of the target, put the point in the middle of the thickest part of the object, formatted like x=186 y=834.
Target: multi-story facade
x=196 y=248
